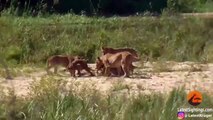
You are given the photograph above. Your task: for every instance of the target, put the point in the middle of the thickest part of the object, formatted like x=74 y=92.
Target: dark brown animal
x=79 y=65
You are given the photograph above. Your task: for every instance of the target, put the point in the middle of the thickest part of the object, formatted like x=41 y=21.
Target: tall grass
x=47 y=102
x=33 y=39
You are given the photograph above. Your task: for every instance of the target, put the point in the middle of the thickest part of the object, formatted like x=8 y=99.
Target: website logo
x=194 y=98
x=181 y=115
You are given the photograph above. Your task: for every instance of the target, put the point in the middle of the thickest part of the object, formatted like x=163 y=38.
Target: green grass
x=206 y=7
x=47 y=102
x=120 y=86
x=28 y=40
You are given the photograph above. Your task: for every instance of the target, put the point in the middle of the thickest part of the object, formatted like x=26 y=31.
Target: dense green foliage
x=33 y=40
x=46 y=102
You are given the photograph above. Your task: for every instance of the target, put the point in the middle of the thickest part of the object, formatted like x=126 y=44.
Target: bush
x=33 y=40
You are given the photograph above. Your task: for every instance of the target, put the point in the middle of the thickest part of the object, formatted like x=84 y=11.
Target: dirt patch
x=146 y=79
x=203 y=15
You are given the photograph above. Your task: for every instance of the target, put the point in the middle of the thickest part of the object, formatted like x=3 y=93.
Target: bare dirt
x=149 y=78
x=203 y=15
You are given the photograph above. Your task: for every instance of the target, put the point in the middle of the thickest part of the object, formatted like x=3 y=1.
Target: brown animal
x=106 y=50
x=102 y=63
x=121 y=61
x=79 y=65
x=59 y=60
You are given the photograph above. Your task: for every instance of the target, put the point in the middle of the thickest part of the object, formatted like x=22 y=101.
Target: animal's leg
x=103 y=70
x=49 y=66
x=79 y=72
x=72 y=72
x=89 y=71
x=96 y=72
x=48 y=69
x=55 y=69
x=119 y=71
x=126 y=70
x=131 y=68
x=113 y=71
x=107 y=71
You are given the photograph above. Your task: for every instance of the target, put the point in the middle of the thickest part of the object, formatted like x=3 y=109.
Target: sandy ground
x=149 y=78
x=203 y=15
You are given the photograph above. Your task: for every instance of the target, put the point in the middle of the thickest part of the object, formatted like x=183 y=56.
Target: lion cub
x=59 y=60
x=79 y=65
